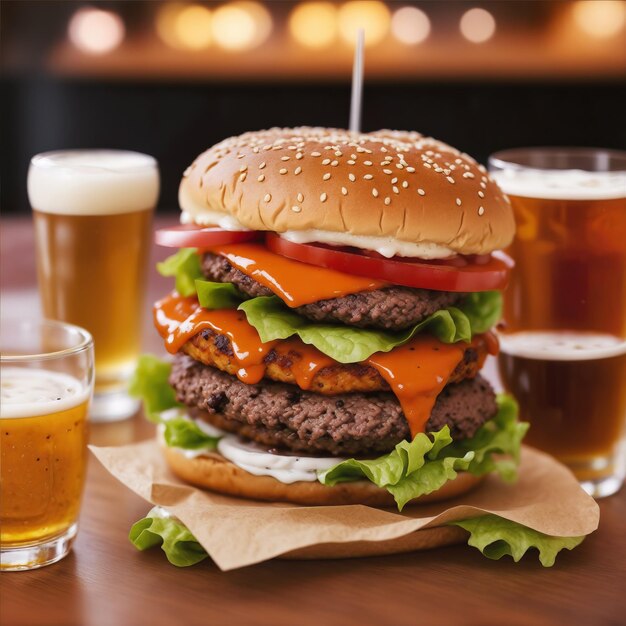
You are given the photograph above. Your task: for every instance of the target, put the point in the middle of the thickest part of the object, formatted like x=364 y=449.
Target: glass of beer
x=563 y=339
x=46 y=381
x=93 y=211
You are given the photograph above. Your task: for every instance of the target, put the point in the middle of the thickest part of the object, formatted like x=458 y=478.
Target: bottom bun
x=218 y=474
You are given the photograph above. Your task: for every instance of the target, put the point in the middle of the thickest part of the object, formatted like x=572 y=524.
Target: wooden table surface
x=105 y=581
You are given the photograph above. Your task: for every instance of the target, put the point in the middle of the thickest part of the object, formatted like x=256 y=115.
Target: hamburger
x=333 y=304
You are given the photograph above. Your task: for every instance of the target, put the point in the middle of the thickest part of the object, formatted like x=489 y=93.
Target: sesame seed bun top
x=392 y=184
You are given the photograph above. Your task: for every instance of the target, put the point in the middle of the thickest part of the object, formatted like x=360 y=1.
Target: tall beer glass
x=92 y=211
x=563 y=343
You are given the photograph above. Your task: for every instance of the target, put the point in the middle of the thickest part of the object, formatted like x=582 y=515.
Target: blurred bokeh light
x=373 y=17
x=94 y=31
x=241 y=25
x=477 y=25
x=600 y=18
x=410 y=25
x=314 y=24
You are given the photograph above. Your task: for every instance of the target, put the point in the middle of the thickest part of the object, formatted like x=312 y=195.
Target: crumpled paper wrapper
x=237 y=532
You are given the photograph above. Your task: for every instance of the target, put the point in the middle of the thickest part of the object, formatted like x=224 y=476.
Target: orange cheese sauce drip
x=417 y=372
x=178 y=319
x=293 y=282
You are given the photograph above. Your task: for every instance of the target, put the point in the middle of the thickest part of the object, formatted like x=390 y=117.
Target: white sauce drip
x=562 y=184
x=561 y=346
x=255 y=458
x=93 y=182
x=212 y=218
x=386 y=246
x=32 y=392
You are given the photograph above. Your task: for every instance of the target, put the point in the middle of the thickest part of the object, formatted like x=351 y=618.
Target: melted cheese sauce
x=293 y=282
x=416 y=371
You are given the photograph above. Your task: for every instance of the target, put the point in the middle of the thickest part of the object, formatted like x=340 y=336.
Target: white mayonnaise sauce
x=561 y=346
x=212 y=218
x=32 y=392
x=256 y=459
x=386 y=246
x=562 y=184
x=93 y=182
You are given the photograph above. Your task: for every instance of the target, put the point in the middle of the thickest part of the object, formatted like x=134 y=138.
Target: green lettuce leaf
x=185 y=267
x=150 y=383
x=179 y=545
x=217 y=295
x=181 y=432
x=496 y=537
x=425 y=464
x=348 y=344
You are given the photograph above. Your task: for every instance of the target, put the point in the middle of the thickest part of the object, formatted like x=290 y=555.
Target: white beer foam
x=93 y=182
x=561 y=346
x=32 y=392
x=562 y=184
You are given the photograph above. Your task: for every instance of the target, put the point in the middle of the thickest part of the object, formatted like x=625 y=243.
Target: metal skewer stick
x=357 y=84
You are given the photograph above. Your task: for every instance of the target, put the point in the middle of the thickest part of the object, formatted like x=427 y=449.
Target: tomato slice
x=482 y=273
x=191 y=236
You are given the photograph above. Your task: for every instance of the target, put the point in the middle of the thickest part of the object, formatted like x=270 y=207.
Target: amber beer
x=563 y=345
x=92 y=212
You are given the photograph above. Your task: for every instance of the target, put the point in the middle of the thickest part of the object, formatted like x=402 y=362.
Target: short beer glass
x=563 y=341
x=92 y=211
x=46 y=379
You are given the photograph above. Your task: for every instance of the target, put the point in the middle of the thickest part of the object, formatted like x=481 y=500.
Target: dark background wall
x=176 y=121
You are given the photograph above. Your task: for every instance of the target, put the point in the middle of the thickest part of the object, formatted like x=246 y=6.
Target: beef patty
x=354 y=424
x=390 y=308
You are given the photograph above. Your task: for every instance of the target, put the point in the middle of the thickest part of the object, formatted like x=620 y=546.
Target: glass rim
x=42 y=161
x=85 y=343
x=506 y=159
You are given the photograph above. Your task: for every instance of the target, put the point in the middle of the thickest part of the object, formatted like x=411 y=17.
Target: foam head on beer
x=93 y=182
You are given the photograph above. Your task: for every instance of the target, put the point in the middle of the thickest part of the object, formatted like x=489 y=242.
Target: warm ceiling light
x=314 y=24
x=95 y=31
x=241 y=25
x=410 y=25
x=192 y=27
x=477 y=25
x=372 y=17
x=600 y=18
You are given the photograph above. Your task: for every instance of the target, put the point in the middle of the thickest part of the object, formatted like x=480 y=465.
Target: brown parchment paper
x=237 y=532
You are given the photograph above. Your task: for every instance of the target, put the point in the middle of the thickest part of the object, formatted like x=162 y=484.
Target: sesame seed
x=352 y=177
x=325 y=161
x=468 y=175
x=458 y=201
x=326 y=176
x=296 y=209
x=410 y=169
x=344 y=191
x=323 y=197
x=383 y=149
x=387 y=200
x=242 y=177
x=388 y=171
x=267 y=197
x=421 y=192
x=483 y=185
x=394 y=180
x=405 y=183
x=367 y=162
x=481 y=210
x=368 y=177
x=255 y=150
x=334 y=163
x=300 y=197
x=395 y=189
x=438 y=169
x=351 y=162
x=240 y=156
x=299 y=155
x=285 y=158
x=353 y=156
x=338 y=153
x=261 y=178
x=450 y=179
x=243 y=168
x=446 y=172
x=481 y=194
x=262 y=165
x=360 y=149
x=375 y=192
x=399 y=166
x=427 y=165
x=316 y=154
x=297 y=170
